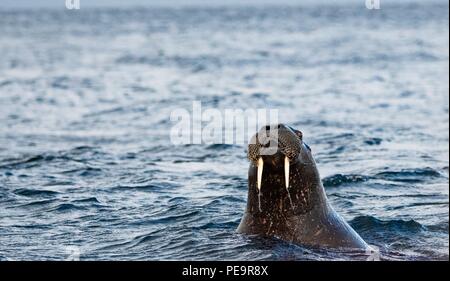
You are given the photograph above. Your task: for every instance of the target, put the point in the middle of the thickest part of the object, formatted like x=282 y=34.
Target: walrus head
x=282 y=172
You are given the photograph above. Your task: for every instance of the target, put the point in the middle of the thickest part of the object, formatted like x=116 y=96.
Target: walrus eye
x=297 y=132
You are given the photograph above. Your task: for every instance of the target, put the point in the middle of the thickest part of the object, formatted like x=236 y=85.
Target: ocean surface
x=87 y=169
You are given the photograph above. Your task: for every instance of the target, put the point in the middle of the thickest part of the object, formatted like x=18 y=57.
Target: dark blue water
x=86 y=161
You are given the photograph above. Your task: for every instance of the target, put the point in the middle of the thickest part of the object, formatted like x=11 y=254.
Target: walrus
x=286 y=198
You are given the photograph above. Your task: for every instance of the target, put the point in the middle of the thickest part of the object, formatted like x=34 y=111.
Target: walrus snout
x=273 y=140
x=277 y=146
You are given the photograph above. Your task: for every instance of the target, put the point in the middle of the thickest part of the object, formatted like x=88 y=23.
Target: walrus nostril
x=266 y=144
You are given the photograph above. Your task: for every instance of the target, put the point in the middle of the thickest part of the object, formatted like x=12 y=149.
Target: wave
x=220 y=146
x=87 y=200
x=404 y=175
x=67 y=207
x=409 y=175
x=27 y=161
x=373 y=141
x=419 y=204
x=439 y=227
x=84 y=172
x=38 y=203
x=372 y=224
x=223 y=200
x=231 y=224
x=14 y=163
x=34 y=192
x=133 y=242
x=340 y=179
x=175 y=218
x=145 y=187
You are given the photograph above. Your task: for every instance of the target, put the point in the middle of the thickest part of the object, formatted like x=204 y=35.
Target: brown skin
x=309 y=220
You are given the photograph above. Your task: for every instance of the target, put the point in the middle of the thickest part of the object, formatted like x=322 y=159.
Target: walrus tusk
x=286 y=179
x=260 y=172
x=286 y=172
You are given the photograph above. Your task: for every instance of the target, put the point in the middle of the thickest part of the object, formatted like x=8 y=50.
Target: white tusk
x=260 y=172
x=286 y=172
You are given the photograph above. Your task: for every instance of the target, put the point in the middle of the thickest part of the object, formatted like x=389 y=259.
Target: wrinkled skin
x=306 y=217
